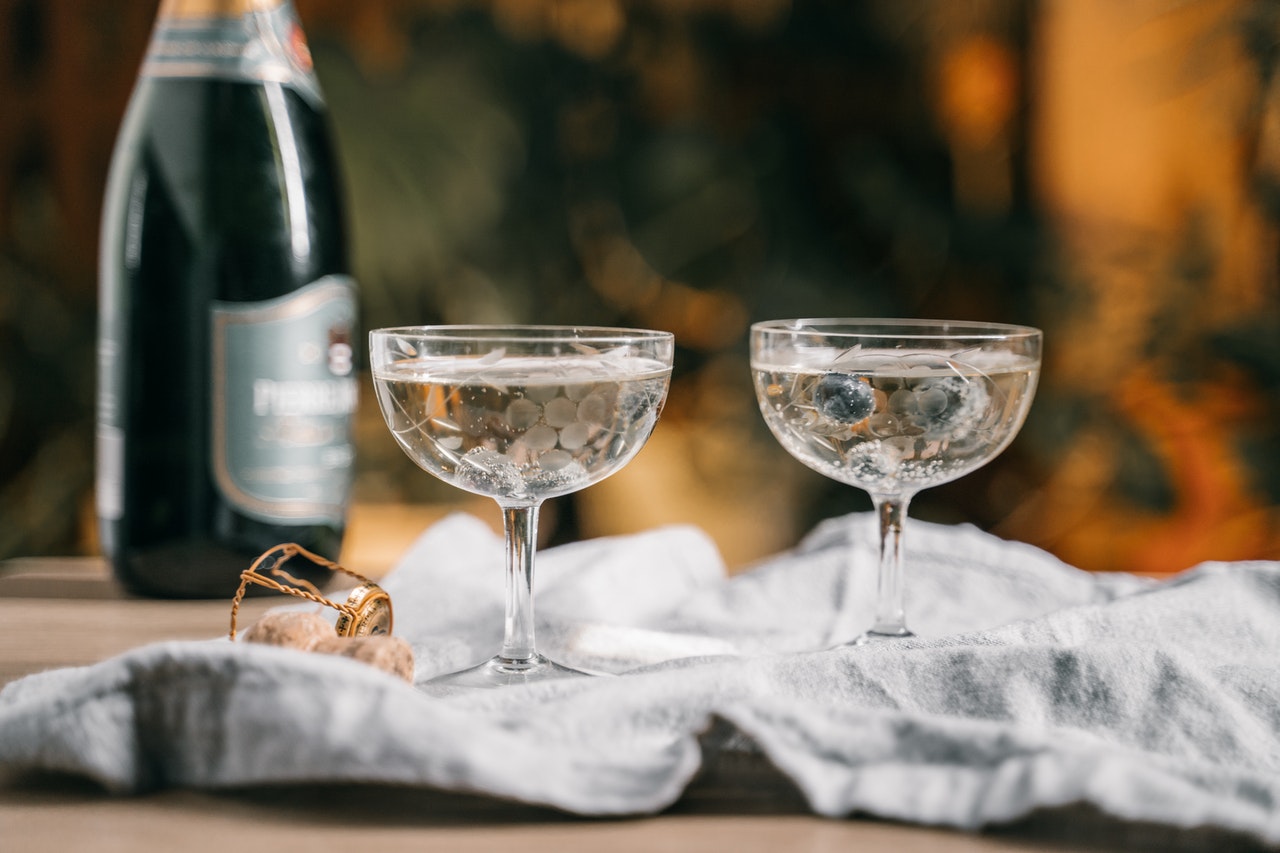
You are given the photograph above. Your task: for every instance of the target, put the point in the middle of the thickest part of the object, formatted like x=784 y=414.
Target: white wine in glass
x=520 y=414
x=893 y=407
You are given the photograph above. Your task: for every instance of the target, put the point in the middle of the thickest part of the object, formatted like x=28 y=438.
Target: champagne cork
x=389 y=654
x=292 y=630
x=310 y=632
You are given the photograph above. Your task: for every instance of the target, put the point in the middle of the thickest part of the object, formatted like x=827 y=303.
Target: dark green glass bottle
x=227 y=310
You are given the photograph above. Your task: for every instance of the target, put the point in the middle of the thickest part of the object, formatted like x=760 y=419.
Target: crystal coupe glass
x=893 y=407
x=520 y=414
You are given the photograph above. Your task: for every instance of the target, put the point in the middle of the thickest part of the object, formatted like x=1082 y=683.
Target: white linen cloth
x=1032 y=685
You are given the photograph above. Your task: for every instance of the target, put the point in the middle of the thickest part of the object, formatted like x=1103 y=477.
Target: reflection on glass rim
x=876 y=327
x=581 y=334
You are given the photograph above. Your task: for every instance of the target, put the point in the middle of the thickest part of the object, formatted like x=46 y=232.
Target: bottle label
x=259 y=46
x=283 y=393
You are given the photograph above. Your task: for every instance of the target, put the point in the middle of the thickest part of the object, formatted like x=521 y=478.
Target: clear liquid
x=524 y=428
x=913 y=420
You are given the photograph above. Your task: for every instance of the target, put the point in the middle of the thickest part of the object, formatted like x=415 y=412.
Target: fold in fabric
x=1031 y=685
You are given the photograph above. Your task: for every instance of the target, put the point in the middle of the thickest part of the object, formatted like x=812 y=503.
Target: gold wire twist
x=301 y=588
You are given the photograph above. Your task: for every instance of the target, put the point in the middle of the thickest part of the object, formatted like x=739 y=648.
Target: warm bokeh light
x=1106 y=171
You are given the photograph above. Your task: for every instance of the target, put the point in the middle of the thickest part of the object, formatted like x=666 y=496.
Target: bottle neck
x=188 y=9
x=251 y=41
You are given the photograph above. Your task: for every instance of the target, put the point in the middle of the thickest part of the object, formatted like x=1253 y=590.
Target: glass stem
x=890 y=590
x=520 y=525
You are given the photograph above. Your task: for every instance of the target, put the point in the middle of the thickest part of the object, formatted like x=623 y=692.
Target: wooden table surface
x=65 y=612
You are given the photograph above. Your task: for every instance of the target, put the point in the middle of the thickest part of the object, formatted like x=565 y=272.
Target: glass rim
x=522 y=332
x=897 y=327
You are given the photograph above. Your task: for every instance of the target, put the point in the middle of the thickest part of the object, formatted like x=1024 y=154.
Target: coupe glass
x=520 y=414
x=893 y=407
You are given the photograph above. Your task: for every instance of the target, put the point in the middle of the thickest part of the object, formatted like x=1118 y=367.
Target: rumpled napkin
x=1031 y=685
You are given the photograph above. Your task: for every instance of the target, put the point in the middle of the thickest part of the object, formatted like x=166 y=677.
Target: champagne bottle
x=227 y=309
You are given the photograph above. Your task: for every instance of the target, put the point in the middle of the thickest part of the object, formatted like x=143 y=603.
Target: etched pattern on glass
x=522 y=427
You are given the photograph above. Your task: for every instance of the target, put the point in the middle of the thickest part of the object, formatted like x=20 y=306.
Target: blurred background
x=1106 y=171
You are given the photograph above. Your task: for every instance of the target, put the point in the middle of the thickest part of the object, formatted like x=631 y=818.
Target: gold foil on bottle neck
x=183 y=9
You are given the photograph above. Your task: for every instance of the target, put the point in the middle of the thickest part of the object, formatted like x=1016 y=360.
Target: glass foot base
x=499 y=671
x=873 y=636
